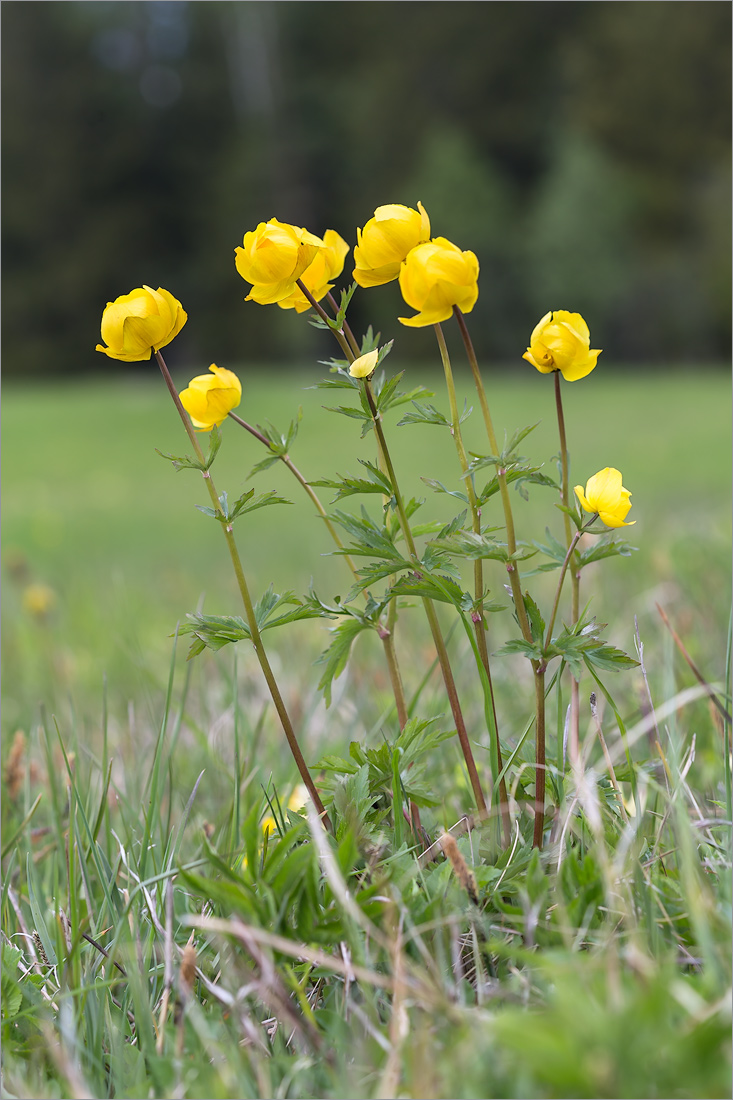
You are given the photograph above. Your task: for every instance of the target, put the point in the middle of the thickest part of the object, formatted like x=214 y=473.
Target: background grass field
x=91 y=510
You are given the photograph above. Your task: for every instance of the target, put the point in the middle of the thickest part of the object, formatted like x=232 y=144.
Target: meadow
x=154 y=946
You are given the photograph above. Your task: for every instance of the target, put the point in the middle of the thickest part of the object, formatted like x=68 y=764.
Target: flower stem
x=575 y=574
x=385 y=633
x=479 y=620
x=353 y=343
x=254 y=630
x=338 y=332
x=514 y=582
x=433 y=622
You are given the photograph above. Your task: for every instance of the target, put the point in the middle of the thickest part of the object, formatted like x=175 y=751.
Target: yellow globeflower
x=435 y=277
x=605 y=495
x=140 y=321
x=211 y=397
x=364 y=365
x=273 y=257
x=38 y=600
x=328 y=264
x=385 y=240
x=296 y=802
x=561 y=341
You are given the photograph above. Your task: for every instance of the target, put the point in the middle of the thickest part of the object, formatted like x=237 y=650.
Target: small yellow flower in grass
x=273 y=257
x=605 y=495
x=385 y=240
x=210 y=397
x=38 y=600
x=136 y=323
x=296 y=802
x=435 y=277
x=561 y=341
x=328 y=264
x=364 y=365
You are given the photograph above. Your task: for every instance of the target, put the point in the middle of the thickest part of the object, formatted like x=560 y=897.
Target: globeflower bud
x=209 y=398
x=273 y=257
x=137 y=322
x=328 y=264
x=364 y=365
x=435 y=277
x=561 y=341
x=385 y=240
x=605 y=495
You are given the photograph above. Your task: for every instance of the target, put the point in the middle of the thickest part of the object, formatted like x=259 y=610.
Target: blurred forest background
x=582 y=150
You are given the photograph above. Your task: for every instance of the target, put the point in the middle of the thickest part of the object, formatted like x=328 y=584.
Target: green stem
x=249 y=608
x=338 y=332
x=514 y=578
x=385 y=633
x=575 y=574
x=571 y=550
x=353 y=343
x=479 y=619
x=430 y=612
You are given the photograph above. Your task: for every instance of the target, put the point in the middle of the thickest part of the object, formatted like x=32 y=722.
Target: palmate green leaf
x=368 y=537
x=553 y=549
x=517 y=645
x=520 y=477
x=280 y=442
x=469 y=544
x=439 y=487
x=349 y=486
x=536 y=622
x=583 y=643
x=186 y=462
x=248 y=502
x=424 y=414
x=605 y=547
x=443 y=589
x=336 y=656
x=215 y=631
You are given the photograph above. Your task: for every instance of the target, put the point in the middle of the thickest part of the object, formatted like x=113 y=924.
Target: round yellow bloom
x=435 y=277
x=211 y=397
x=364 y=365
x=137 y=322
x=385 y=240
x=561 y=341
x=605 y=495
x=296 y=802
x=273 y=257
x=38 y=600
x=328 y=264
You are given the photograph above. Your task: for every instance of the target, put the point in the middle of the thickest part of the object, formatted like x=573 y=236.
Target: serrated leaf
x=264 y=500
x=536 y=622
x=605 y=547
x=424 y=414
x=609 y=658
x=181 y=462
x=336 y=656
x=439 y=487
x=443 y=589
x=518 y=645
x=469 y=544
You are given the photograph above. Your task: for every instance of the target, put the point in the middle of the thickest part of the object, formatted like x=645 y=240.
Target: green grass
x=599 y=968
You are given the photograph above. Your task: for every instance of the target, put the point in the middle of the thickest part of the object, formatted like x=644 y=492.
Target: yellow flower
x=38 y=600
x=561 y=341
x=210 y=397
x=364 y=365
x=435 y=277
x=605 y=495
x=296 y=802
x=328 y=264
x=273 y=258
x=385 y=240
x=137 y=322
